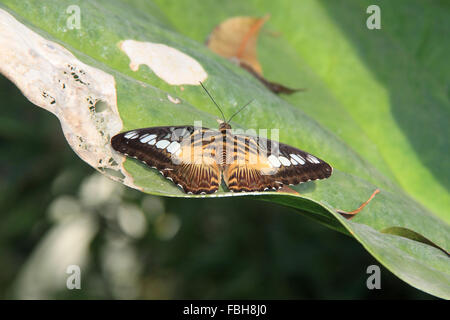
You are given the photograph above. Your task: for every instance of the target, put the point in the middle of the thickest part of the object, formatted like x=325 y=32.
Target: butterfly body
x=197 y=159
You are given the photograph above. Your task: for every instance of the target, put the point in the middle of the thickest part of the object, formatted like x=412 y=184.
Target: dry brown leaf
x=236 y=39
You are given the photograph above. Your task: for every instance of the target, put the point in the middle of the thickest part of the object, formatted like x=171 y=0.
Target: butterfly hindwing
x=171 y=151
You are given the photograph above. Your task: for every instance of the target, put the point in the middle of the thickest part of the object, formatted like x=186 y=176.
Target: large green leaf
x=375 y=106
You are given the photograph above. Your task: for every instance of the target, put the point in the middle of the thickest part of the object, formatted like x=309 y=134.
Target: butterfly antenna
x=223 y=116
x=240 y=110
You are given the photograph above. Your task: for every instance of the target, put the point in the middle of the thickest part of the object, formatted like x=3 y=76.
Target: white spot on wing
x=274 y=162
x=162 y=144
x=152 y=142
x=131 y=135
x=298 y=158
x=146 y=138
x=173 y=147
x=284 y=161
x=312 y=159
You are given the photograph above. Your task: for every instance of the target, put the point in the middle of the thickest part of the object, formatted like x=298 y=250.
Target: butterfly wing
x=259 y=164
x=178 y=152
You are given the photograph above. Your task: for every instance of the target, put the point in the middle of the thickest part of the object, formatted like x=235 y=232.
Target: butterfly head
x=224 y=126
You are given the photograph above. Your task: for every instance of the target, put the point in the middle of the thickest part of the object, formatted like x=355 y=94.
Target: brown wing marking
x=195 y=167
x=248 y=178
x=195 y=178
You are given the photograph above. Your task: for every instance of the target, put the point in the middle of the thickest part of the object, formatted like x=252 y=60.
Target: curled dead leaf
x=272 y=86
x=236 y=39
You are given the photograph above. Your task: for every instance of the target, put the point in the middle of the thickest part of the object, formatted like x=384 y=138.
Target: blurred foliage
x=141 y=246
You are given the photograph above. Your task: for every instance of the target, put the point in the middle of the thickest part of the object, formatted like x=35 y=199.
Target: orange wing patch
x=248 y=167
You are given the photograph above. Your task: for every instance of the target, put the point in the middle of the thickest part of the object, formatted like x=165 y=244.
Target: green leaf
x=376 y=106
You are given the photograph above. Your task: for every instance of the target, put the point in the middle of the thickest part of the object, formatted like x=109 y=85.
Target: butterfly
x=197 y=159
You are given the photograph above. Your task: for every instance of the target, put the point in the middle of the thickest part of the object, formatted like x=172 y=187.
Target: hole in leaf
x=101 y=106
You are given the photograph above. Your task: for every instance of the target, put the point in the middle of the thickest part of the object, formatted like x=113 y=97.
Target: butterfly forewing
x=276 y=164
